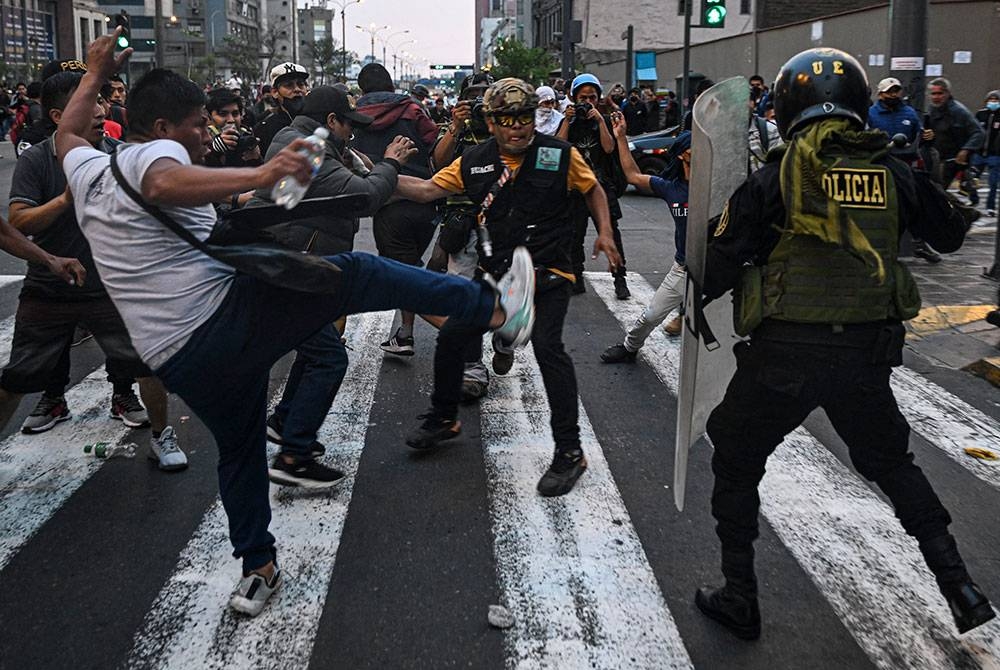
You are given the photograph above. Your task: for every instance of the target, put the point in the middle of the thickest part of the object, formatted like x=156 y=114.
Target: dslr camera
x=582 y=110
x=246 y=142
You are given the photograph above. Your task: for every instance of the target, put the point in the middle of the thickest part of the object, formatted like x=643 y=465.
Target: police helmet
x=420 y=91
x=510 y=96
x=818 y=84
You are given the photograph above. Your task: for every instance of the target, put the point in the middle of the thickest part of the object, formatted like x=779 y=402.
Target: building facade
x=27 y=38
x=316 y=41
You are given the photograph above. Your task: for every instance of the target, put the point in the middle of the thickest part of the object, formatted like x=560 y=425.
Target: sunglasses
x=508 y=120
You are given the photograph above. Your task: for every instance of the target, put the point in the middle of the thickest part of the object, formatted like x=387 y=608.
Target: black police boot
x=969 y=606
x=923 y=250
x=734 y=605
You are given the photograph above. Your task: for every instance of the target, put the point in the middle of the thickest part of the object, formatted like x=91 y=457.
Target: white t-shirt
x=163 y=287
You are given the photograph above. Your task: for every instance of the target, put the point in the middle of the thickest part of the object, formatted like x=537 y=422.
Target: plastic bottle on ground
x=289 y=191
x=105 y=450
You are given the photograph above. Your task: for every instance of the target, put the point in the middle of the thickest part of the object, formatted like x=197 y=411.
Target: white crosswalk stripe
x=210 y=635
x=571 y=569
x=821 y=510
x=38 y=473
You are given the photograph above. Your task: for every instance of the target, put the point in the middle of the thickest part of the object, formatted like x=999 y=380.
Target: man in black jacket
x=525 y=179
x=288 y=90
x=955 y=132
x=989 y=155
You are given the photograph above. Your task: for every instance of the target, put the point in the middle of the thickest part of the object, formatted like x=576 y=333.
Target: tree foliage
x=512 y=58
x=328 y=58
x=243 y=56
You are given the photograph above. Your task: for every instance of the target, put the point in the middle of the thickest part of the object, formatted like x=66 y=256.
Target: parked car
x=650 y=149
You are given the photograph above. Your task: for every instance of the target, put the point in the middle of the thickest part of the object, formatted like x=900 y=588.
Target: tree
x=243 y=54
x=328 y=58
x=512 y=58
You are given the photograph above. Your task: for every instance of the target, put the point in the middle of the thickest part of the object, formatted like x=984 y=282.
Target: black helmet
x=478 y=82
x=818 y=84
x=420 y=91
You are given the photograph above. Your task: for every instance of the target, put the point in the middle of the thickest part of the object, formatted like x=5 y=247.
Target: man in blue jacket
x=892 y=114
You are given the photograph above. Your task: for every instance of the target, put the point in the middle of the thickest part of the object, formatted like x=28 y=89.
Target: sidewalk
x=950 y=330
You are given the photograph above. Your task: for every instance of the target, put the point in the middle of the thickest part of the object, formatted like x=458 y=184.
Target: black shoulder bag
x=269 y=263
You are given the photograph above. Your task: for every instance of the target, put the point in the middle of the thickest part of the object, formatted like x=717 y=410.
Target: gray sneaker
x=165 y=450
x=47 y=413
x=125 y=407
x=253 y=592
x=517 y=298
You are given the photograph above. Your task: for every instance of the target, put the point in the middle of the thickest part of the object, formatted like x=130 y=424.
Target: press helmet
x=475 y=83
x=510 y=95
x=585 y=80
x=818 y=84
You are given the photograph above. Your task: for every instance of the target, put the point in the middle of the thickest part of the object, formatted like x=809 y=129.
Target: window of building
x=744 y=6
x=98 y=28
x=681 y=7
x=84 y=30
x=319 y=29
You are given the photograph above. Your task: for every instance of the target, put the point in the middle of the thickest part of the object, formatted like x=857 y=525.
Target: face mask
x=993 y=105
x=293 y=105
x=543 y=113
x=892 y=103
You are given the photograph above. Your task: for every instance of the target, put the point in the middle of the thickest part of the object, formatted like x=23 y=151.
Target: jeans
x=222 y=371
x=993 y=167
x=551 y=302
x=775 y=387
x=313 y=381
x=667 y=298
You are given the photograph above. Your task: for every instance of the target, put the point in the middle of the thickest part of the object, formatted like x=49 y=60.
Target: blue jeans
x=312 y=384
x=993 y=165
x=222 y=371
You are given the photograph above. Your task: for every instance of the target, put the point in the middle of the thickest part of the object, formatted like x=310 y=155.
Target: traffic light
x=713 y=14
x=125 y=39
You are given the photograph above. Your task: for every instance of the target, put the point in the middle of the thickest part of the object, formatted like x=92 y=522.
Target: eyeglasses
x=508 y=120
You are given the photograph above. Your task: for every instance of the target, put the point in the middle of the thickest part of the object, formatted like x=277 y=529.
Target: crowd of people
x=124 y=186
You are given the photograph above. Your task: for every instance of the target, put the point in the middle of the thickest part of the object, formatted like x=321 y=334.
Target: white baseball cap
x=287 y=70
x=886 y=84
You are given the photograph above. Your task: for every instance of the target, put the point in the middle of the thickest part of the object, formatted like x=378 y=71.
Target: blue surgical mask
x=993 y=105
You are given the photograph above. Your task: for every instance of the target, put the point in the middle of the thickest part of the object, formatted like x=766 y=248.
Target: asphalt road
x=119 y=565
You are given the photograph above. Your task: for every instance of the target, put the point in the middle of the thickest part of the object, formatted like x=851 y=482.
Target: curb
x=987 y=368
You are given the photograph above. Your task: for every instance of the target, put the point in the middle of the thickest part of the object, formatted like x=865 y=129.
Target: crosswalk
x=576 y=573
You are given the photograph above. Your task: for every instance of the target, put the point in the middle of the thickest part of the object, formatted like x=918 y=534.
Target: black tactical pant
x=460 y=342
x=580 y=216
x=777 y=384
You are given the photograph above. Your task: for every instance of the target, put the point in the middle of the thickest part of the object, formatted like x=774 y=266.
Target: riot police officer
x=810 y=243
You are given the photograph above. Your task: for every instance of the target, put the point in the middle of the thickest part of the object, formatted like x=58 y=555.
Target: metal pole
x=383 y=54
x=343 y=42
x=629 y=58
x=373 y=47
x=685 y=80
x=158 y=32
x=908 y=39
x=567 y=39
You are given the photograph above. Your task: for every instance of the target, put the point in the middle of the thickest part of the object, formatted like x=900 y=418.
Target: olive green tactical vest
x=806 y=280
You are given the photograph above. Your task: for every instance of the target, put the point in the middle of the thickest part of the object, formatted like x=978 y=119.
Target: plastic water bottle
x=105 y=450
x=289 y=190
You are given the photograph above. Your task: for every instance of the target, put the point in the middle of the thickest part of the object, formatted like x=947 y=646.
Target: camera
x=246 y=142
x=476 y=123
x=582 y=109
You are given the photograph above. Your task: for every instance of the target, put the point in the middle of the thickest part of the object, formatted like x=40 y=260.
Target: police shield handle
x=719 y=148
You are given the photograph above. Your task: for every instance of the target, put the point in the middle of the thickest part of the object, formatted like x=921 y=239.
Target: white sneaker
x=165 y=450
x=253 y=592
x=517 y=298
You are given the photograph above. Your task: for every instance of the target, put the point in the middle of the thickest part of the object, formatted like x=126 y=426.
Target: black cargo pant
x=460 y=342
x=777 y=384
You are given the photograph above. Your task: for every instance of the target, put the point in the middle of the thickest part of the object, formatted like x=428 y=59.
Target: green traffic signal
x=122 y=21
x=714 y=14
x=122 y=42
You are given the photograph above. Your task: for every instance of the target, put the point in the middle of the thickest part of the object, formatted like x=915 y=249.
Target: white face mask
x=543 y=113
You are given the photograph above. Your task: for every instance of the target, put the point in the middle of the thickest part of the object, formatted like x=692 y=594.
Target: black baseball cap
x=324 y=100
x=68 y=65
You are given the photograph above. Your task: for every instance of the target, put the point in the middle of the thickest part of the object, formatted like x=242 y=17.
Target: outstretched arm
x=14 y=243
x=632 y=173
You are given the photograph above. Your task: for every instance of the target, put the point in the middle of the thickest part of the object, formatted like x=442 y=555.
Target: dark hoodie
x=396 y=114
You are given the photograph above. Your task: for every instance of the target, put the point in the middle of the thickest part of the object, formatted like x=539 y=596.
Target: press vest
x=532 y=210
x=806 y=280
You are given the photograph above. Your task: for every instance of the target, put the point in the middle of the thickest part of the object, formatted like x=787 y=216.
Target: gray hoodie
x=328 y=235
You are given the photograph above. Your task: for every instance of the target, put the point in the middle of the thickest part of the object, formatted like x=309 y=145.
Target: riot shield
x=719 y=152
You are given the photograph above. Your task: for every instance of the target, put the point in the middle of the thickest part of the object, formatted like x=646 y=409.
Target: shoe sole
x=282 y=478
x=742 y=632
x=398 y=352
x=975 y=618
x=47 y=427
x=128 y=422
x=166 y=468
x=616 y=361
x=504 y=368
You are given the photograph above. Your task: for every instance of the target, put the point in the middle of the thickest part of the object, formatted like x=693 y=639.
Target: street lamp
x=372 y=30
x=385 y=41
x=343 y=5
x=395 y=50
x=211 y=24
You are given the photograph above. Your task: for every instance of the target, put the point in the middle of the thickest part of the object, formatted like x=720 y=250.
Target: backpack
x=25 y=115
